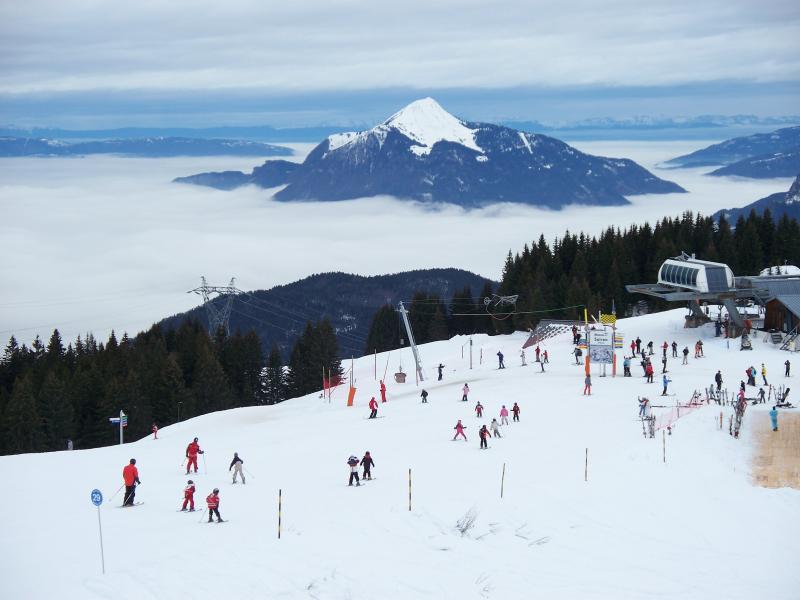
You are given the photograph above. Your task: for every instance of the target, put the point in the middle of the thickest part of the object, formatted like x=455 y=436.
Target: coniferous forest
x=58 y=391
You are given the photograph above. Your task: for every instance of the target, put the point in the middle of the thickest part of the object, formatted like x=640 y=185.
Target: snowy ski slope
x=693 y=528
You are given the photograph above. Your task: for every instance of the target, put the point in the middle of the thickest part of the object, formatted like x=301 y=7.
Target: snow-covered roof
x=780 y=270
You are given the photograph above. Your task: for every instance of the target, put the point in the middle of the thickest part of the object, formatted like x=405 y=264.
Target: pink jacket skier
x=504 y=415
x=459 y=431
x=466 y=392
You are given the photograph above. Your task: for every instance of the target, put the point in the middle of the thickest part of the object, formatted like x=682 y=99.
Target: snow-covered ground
x=693 y=527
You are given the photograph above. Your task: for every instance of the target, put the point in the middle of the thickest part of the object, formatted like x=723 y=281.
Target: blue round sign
x=97 y=497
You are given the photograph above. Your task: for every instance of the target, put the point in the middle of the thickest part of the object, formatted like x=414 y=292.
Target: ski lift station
x=696 y=282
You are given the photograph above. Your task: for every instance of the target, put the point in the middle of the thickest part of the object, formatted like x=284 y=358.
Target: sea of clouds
x=103 y=242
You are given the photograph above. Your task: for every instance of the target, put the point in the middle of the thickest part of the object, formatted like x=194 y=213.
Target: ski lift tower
x=218 y=316
x=402 y=310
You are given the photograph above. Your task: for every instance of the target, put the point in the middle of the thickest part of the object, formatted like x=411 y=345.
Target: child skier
x=424 y=396
x=465 y=392
x=545 y=357
x=236 y=465
x=192 y=450
x=484 y=435
x=373 y=407
x=495 y=428
x=587 y=385
x=500 y=363
x=515 y=410
x=188 y=496
x=367 y=463
x=504 y=415
x=353 y=463
x=459 y=431
x=479 y=409
x=212 y=501
x=773 y=416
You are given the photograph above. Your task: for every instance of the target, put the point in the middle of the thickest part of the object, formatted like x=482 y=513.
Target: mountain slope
x=154 y=146
x=741 y=148
x=782 y=203
x=424 y=153
x=278 y=315
x=637 y=528
x=765 y=166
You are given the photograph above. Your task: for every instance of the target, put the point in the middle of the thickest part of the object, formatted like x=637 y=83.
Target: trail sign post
x=97 y=500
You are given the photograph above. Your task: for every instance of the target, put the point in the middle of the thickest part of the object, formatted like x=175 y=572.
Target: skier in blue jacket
x=666 y=383
x=773 y=415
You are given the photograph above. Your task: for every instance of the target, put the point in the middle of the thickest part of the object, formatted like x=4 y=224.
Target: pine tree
x=274 y=379
x=56 y=412
x=384 y=331
x=22 y=425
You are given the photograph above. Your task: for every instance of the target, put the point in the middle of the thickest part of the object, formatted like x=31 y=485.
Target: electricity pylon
x=218 y=316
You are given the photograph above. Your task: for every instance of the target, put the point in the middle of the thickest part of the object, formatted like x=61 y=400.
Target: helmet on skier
x=195 y=439
x=190 y=482
x=216 y=490
x=133 y=461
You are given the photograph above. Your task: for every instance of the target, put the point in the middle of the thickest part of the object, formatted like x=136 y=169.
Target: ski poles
x=204 y=516
x=249 y=474
x=205 y=470
x=115 y=493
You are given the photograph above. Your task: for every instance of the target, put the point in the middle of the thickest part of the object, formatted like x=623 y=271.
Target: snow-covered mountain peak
x=426 y=122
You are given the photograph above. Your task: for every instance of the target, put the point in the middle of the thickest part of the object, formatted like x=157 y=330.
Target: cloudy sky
x=331 y=60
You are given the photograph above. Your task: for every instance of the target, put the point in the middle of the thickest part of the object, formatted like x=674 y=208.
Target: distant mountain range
x=426 y=154
x=279 y=315
x=761 y=155
x=637 y=127
x=782 y=203
x=151 y=146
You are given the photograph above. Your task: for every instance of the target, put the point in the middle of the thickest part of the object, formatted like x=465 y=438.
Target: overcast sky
x=742 y=53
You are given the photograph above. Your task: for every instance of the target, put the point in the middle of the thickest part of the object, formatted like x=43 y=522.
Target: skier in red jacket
x=515 y=410
x=188 y=496
x=130 y=474
x=212 y=501
x=383 y=391
x=192 y=450
x=373 y=406
x=155 y=431
x=479 y=409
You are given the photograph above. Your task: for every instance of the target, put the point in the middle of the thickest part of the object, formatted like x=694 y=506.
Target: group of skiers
x=130 y=476
x=493 y=429
x=366 y=462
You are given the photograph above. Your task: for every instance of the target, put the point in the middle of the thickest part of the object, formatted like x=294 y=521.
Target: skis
x=130 y=505
x=209 y=522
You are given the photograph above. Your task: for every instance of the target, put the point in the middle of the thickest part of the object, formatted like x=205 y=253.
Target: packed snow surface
x=693 y=527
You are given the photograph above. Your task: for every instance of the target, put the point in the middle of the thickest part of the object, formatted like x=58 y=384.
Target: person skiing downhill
x=236 y=465
x=500 y=363
x=479 y=409
x=515 y=410
x=773 y=416
x=587 y=385
x=367 y=463
x=424 y=396
x=192 y=450
x=649 y=372
x=495 y=428
x=373 y=407
x=465 y=392
x=212 y=501
x=504 y=415
x=459 y=431
x=383 y=391
x=188 y=496
x=484 y=435
x=130 y=475
x=353 y=463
